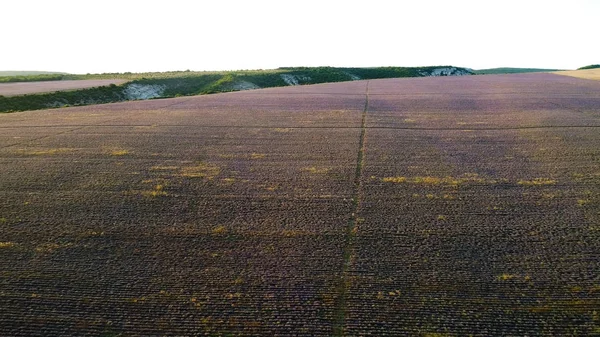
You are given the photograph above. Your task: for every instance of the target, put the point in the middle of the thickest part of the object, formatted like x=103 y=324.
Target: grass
x=219 y=230
x=506 y=277
x=118 y=153
x=164 y=168
x=537 y=182
x=438 y=181
x=201 y=170
x=582 y=202
x=46 y=152
x=464 y=179
x=7 y=244
x=158 y=191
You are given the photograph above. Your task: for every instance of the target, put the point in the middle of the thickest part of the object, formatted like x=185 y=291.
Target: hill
x=187 y=83
x=593 y=66
x=28 y=73
x=511 y=71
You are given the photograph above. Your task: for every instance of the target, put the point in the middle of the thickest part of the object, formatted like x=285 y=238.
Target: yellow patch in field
x=582 y=202
x=228 y=181
x=156 y=192
x=257 y=156
x=219 y=230
x=117 y=152
x=537 y=182
x=590 y=74
x=163 y=168
x=201 y=170
x=50 y=247
x=435 y=181
x=45 y=152
x=394 y=180
x=506 y=277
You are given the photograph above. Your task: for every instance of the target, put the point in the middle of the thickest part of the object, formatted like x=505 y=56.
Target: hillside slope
x=174 y=84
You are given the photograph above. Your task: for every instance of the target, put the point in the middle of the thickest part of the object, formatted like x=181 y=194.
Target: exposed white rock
x=353 y=77
x=294 y=79
x=136 y=91
x=446 y=71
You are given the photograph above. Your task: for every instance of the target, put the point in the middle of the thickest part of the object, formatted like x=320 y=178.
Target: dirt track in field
x=386 y=207
x=24 y=88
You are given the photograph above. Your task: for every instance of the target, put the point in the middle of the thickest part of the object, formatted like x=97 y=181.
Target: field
x=445 y=206
x=590 y=74
x=141 y=86
x=511 y=71
x=24 y=88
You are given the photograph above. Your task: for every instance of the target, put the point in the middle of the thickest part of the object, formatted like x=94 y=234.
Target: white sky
x=90 y=36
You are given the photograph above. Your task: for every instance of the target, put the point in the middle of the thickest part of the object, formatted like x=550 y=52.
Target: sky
x=138 y=36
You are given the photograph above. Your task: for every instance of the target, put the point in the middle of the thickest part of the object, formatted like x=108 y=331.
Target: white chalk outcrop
x=445 y=71
x=294 y=79
x=137 y=91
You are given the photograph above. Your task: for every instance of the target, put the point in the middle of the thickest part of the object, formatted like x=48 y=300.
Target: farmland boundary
x=342 y=291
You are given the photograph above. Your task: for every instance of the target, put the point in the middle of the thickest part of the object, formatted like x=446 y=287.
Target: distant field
x=448 y=206
x=23 y=88
x=590 y=74
x=511 y=71
x=28 y=73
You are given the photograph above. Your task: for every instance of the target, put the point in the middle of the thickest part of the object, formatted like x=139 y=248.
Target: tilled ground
x=430 y=206
x=24 y=88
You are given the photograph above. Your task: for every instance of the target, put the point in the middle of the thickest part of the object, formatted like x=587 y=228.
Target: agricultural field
x=590 y=74
x=24 y=88
x=445 y=206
